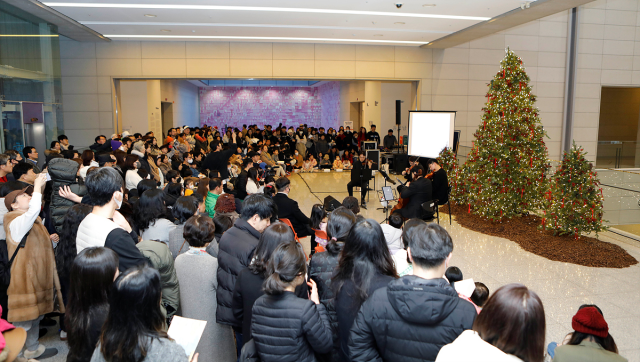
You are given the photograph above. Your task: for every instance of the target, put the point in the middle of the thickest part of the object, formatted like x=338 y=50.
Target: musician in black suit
x=289 y=209
x=417 y=191
x=358 y=165
x=440 y=182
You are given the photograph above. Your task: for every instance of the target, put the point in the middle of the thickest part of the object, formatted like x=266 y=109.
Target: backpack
x=5 y=262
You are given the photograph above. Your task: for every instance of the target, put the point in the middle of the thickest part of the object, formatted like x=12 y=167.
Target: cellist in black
x=360 y=164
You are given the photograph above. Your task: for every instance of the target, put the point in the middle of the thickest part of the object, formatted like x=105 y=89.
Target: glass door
x=12 y=135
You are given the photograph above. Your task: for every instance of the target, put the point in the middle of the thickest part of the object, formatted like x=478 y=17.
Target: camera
x=398 y=5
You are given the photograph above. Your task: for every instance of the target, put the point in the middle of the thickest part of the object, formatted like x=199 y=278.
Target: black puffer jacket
x=321 y=269
x=409 y=321
x=235 y=252
x=286 y=328
x=63 y=173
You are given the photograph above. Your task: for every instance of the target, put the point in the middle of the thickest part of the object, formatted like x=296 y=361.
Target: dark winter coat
x=347 y=307
x=63 y=173
x=248 y=290
x=236 y=249
x=409 y=321
x=321 y=269
x=286 y=328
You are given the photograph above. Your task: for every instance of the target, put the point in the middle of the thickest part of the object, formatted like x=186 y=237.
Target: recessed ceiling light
x=149 y=15
x=399 y=23
x=428 y=5
x=377 y=34
x=259 y=8
x=277 y=38
x=166 y=30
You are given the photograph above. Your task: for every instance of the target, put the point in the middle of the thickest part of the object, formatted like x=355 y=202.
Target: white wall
x=391 y=92
x=133 y=106
x=349 y=92
x=372 y=104
x=184 y=96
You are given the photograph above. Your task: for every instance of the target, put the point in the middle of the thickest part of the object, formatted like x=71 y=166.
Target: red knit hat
x=588 y=320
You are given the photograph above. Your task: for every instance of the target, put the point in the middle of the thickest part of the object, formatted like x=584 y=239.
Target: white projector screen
x=430 y=132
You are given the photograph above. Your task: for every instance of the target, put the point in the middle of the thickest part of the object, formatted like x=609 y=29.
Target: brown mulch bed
x=523 y=230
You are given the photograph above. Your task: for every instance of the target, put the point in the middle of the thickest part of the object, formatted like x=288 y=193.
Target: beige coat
x=34 y=278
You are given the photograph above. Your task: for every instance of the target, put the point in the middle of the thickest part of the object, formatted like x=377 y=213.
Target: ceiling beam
x=66 y=26
x=537 y=10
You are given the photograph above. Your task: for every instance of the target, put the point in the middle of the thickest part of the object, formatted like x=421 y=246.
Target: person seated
x=289 y=209
x=590 y=340
x=309 y=164
x=480 y=295
x=325 y=163
x=440 y=184
x=318 y=222
x=510 y=328
x=389 y=141
x=453 y=274
x=418 y=191
x=337 y=164
x=393 y=235
x=351 y=203
x=431 y=315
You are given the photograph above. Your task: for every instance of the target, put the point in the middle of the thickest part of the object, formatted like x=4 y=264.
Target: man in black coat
x=289 y=209
x=414 y=316
x=236 y=249
x=440 y=182
x=359 y=165
x=101 y=145
x=417 y=192
x=241 y=182
x=218 y=159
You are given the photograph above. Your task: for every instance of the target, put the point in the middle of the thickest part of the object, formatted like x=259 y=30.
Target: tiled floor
x=495 y=261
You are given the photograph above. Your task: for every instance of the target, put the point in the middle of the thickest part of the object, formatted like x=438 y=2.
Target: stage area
x=496 y=261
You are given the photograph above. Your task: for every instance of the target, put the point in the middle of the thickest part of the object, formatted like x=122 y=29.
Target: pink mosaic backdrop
x=235 y=106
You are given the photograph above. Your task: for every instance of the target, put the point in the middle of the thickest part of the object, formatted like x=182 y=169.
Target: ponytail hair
x=287 y=262
x=339 y=225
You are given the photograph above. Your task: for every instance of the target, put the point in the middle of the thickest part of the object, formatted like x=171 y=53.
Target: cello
x=403 y=202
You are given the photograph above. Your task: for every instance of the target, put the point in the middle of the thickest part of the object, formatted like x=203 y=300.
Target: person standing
x=373 y=135
x=101 y=145
x=215 y=189
x=389 y=140
x=218 y=159
x=104 y=226
x=420 y=313
x=196 y=271
x=34 y=285
x=236 y=249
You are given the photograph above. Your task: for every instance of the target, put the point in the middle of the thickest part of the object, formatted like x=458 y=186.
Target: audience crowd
x=117 y=240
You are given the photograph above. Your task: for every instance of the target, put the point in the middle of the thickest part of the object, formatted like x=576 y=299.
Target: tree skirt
x=523 y=230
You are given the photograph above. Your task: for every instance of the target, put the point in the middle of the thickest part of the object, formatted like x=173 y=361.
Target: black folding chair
x=431 y=207
x=449 y=202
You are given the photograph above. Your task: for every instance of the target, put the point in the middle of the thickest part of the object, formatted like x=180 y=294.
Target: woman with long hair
x=249 y=282
x=135 y=326
x=164 y=164
x=171 y=193
x=203 y=187
x=590 y=339
x=323 y=265
x=66 y=252
x=197 y=274
x=88 y=160
x=92 y=275
x=362 y=136
x=365 y=266
x=152 y=218
x=253 y=186
x=306 y=328
x=132 y=177
x=511 y=327
x=120 y=159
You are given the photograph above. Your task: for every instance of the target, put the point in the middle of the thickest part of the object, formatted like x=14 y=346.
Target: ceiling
x=298 y=21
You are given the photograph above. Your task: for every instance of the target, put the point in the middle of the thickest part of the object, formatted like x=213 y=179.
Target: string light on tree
x=504 y=175
x=573 y=204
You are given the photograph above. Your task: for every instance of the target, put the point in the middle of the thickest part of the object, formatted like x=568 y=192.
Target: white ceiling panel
x=372 y=21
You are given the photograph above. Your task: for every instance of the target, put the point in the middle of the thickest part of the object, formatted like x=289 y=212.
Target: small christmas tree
x=449 y=162
x=574 y=202
x=504 y=175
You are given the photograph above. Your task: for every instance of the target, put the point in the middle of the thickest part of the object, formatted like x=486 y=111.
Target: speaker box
x=400 y=163
x=330 y=203
x=398 y=112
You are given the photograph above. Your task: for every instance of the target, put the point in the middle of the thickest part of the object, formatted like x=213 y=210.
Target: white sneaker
x=63 y=335
x=35 y=354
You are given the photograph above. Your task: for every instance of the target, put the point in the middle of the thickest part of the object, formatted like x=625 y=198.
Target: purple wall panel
x=235 y=106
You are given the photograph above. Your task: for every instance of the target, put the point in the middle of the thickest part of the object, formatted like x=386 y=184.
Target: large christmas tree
x=504 y=175
x=574 y=202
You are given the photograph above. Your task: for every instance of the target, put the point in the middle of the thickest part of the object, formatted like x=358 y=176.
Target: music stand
x=387 y=195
